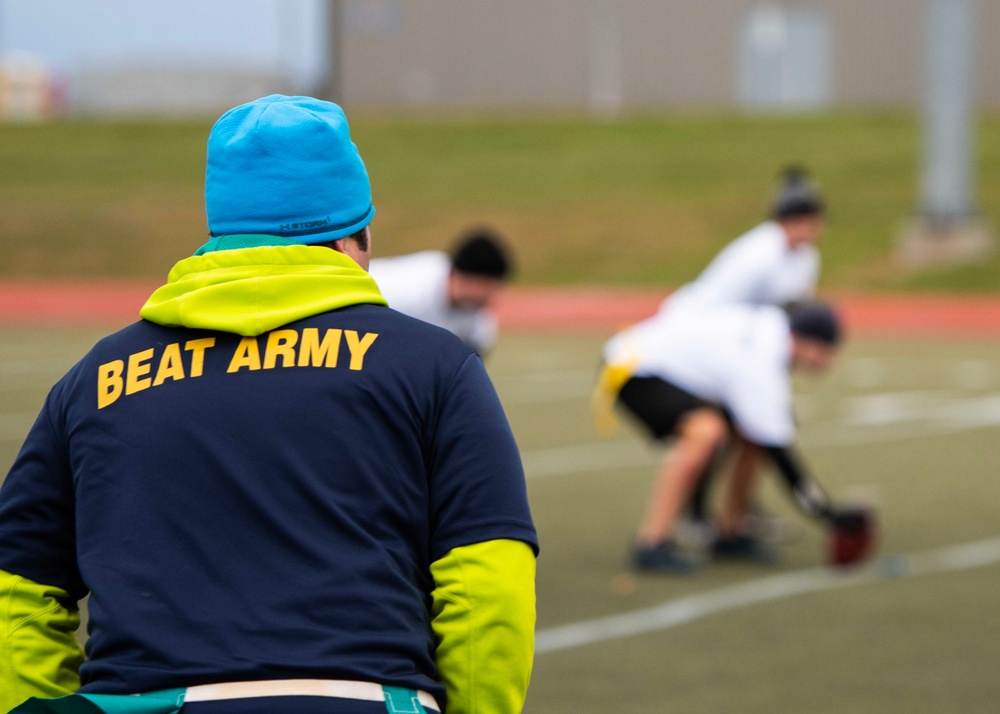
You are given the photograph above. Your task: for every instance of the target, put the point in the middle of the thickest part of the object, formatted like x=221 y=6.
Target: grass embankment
x=647 y=200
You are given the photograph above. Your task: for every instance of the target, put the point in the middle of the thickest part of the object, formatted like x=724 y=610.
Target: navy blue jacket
x=240 y=513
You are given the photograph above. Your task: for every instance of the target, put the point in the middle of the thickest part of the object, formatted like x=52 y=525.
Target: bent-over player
x=775 y=263
x=701 y=376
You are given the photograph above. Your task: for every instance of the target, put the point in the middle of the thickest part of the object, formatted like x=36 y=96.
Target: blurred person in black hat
x=707 y=377
x=451 y=290
x=775 y=263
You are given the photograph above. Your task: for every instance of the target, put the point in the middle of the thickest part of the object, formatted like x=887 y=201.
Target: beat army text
x=281 y=348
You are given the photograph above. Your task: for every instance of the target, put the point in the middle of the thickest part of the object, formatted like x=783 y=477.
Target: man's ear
x=357 y=247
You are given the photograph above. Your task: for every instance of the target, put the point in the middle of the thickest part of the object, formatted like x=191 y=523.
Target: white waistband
x=342 y=688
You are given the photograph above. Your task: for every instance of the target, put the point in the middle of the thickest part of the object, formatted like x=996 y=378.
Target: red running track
x=111 y=303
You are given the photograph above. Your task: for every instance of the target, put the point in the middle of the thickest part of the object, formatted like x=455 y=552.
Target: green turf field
x=912 y=426
x=647 y=200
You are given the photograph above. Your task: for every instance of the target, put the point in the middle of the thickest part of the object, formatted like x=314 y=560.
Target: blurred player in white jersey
x=776 y=263
x=701 y=376
x=453 y=291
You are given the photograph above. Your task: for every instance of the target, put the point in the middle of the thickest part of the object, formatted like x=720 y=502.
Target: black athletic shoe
x=744 y=548
x=663 y=558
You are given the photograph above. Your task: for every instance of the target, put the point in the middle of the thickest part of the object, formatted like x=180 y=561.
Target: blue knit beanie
x=286 y=166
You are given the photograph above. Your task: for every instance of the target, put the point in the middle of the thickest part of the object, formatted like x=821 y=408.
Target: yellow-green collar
x=253 y=290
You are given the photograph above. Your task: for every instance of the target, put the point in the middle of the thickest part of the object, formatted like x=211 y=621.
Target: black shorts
x=658 y=404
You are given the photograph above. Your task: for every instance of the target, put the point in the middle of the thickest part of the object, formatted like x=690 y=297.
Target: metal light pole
x=604 y=90
x=949 y=107
x=331 y=84
x=948 y=228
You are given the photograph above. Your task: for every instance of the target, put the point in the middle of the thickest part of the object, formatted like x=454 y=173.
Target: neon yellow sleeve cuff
x=39 y=653
x=484 y=620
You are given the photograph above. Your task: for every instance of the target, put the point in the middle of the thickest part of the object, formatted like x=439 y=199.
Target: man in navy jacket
x=280 y=494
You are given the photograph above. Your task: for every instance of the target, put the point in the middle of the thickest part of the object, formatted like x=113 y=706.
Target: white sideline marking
x=601 y=456
x=776 y=587
x=594 y=456
x=893 y=407
x=938 y=417
x=543 y=387
x=870 y=419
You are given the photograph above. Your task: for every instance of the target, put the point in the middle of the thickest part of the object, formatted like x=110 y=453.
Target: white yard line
x=763 y=590
x=581 y=458
x=893 y=407
x=543 y=387
x=608 y=455
x=936 y=416
x=873 y=419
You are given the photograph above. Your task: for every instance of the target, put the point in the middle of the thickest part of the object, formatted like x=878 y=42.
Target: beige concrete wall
x=878 y=48
x=679 y=53
x=989 y=52
x=473 y=52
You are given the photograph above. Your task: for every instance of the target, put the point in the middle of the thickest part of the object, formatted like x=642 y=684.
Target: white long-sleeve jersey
x=735 y=356
x=758 y=268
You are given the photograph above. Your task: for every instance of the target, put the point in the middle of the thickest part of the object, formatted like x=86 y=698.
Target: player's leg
x=696 y=526
x=735 y=541
x=699 y=436
x=743 y=480
x=666 y=411
x=698 y=504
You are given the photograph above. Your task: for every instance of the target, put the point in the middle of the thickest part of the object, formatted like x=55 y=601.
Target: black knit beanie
x=797 y=196
x=481 y=252
x=817 y=321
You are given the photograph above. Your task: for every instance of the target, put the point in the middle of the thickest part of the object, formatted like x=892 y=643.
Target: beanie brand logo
x=304 y=226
